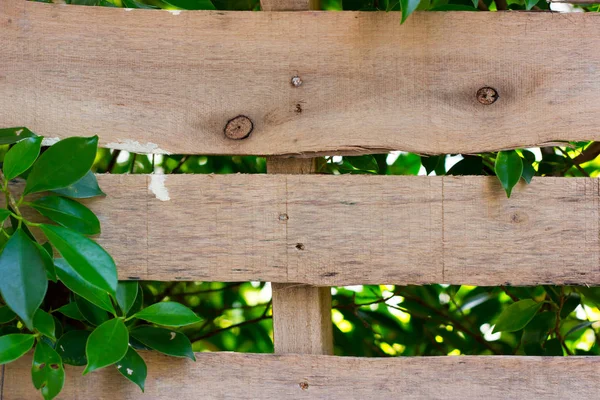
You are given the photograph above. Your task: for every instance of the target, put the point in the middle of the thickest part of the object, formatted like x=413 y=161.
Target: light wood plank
x=370 y=85
x=252 y=376
x=344 y=230
x=301 y=314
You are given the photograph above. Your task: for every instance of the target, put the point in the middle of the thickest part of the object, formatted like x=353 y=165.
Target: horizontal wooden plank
x=369 y=84
x=253 y=376
x=344 y=230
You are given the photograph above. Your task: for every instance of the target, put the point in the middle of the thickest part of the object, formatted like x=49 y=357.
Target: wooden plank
x=370 y=85
x=344 y=230
x=253 y=376
x=301 y=314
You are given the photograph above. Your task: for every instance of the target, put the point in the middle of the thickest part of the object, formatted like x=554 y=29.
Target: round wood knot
x=303 y=385
x=239 y=127
x=487 y=95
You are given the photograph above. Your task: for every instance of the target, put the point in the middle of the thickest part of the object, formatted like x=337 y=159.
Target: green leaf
x=165 y=341
x=90 y=260
x=573 y=300
x=528 y=172
x=362 y=163
x=516 y=316
x=72 y=311
x=21 y=156
x=84 y=188
x=578 y=327
x=469 y=165
x=68 y=213
x=138 y=303
x=168 y=313
x=127 y=292
x=24 y=283
x=71 y=347
x=553 y=348
x=13 y=135
x=4 y=213
x=107 y=344
x=14 y=346
x=430 y=162
x=509 y=167
x=62 y=164
x=133 y=367
x=47 y=253
x=44 y=323
x=6 y=314
x=94 y=315
x=529 y=4
x=191 y=4
x=47 y=371
x=408 y=6
x=536 y=332
x=78 y=285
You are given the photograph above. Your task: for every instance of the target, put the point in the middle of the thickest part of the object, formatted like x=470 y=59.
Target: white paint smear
x=134 y=146
x=50 y=141
x=175 y=12
x=129 y=371
x=173 y=335
x=157 y=186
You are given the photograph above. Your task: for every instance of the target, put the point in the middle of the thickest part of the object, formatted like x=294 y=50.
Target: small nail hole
x=283 y=217
x=300 y=246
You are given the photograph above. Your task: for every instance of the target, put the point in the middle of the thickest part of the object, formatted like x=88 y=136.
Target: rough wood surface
x=253 y=376
x=343 y=230
x=369 y=84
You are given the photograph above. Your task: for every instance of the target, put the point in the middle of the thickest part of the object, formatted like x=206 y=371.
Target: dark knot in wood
x=239 y=127
x=487 y=95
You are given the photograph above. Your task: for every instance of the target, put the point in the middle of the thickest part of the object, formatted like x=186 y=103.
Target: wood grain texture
x=370 y=85
x=344 y=230
x=253 y=376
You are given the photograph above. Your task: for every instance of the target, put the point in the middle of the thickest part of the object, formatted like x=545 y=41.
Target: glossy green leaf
x=6 y=314
x=44 y=323
x=168 y=313
x=553 y=348
x=85 y=256
x=165 y=341
x=509 y=167
x=72 y=280
x=62 y=164
x=127 y=292
x=21 y=156
x=24 y=283
x=47 y=252
x=84 y=188
x=71 y=347
x=72 y=311
x=133 y=367
x=107 y=344
x=408 y=7
x=516 y=316
x=4 y=213
x=47 y=371
x=13 y=135
x=138 y=303
x=430 y=162
x=14 y=346
x=93 y=314
x=68 y=213
x=570 y=304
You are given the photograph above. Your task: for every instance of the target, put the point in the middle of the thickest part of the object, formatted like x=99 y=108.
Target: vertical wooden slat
x=301 y=314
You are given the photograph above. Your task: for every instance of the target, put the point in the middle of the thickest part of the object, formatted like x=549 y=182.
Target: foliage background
x=383 y=320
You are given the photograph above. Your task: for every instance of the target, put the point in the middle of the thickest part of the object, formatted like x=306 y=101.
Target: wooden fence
x=302 y=84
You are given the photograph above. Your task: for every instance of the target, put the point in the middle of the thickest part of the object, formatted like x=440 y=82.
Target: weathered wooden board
x=343 y=230
x=159 y=81
x=253 y=376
